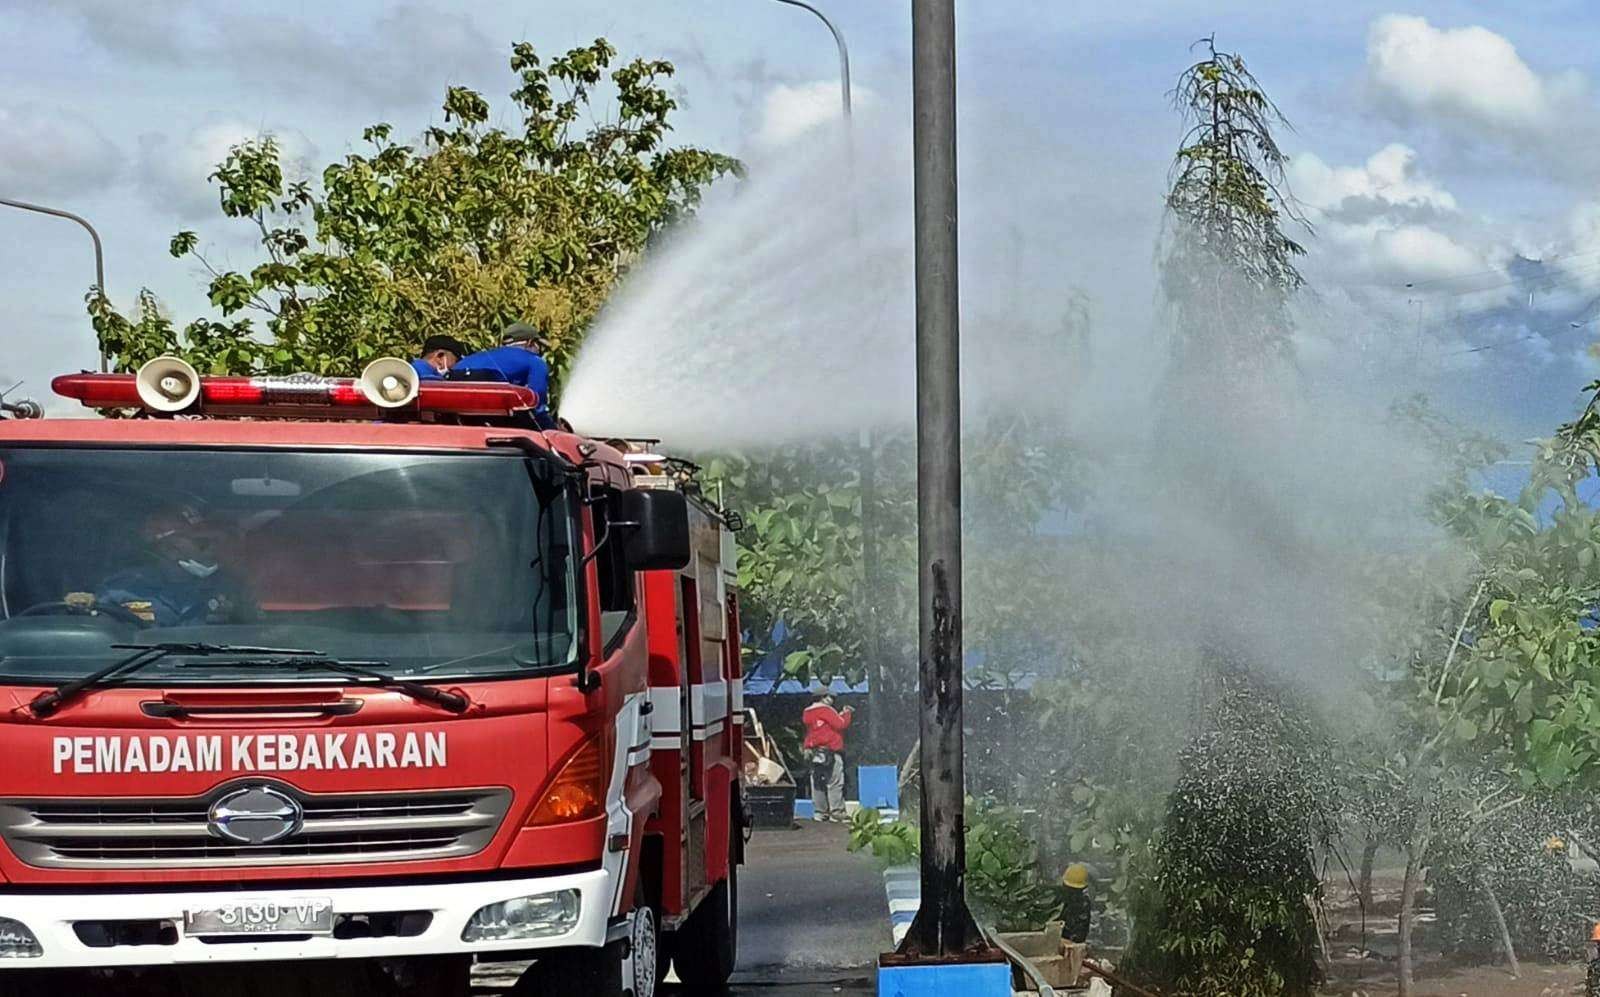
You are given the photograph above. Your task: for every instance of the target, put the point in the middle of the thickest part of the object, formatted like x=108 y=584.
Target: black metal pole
x=99 y=253
x=943 y=926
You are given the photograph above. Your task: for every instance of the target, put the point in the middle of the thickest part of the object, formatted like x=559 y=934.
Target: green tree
x=1481 y=732
x=1226 y=906
x=1224 y=910
x=1504 y=709
x=470 y=229
x=800 y=554
x=1228 y=266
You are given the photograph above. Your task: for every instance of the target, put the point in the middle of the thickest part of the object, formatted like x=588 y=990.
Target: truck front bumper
x=63 y=921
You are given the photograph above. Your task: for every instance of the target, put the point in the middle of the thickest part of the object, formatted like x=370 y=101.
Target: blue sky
x=1435 y=143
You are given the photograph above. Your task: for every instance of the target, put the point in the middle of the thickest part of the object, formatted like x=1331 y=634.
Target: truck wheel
x=585 y=972
x=706 y=947
x=630 y=968
x=642 y=971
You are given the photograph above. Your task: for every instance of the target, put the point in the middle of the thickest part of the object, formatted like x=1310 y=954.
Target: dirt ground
x=1363 y=954
x=1483 y=981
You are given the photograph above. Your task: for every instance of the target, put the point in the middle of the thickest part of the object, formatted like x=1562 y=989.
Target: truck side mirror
x=653 y=526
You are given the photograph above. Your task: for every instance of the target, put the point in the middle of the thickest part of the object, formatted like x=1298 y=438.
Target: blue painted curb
x=902 y=885
x=990 y=979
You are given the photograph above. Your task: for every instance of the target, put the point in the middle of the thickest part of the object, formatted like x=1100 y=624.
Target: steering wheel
x=62 y=608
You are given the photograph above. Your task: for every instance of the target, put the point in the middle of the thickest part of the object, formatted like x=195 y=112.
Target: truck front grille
x=176 y=832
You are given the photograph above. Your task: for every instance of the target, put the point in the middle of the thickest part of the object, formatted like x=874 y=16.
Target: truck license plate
x=262 y=917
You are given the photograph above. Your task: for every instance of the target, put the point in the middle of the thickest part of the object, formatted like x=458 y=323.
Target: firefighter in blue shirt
x=181 y=582
x=439 y=354
x=516 y=361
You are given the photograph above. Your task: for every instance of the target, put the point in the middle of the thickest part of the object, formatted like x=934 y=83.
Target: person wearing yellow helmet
x=1075 y=903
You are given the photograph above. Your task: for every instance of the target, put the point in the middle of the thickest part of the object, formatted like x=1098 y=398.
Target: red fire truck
x=362 y=676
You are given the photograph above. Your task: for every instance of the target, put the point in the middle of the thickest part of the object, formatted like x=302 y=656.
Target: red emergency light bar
x=469 y=398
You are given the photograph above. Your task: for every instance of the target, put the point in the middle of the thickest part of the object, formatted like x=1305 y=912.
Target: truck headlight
x=17 y=942
x=543 y=915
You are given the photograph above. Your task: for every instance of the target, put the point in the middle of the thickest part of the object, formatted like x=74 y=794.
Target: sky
x=1444 y=152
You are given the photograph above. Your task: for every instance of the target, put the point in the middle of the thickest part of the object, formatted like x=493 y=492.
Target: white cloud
x=172 y=175
x=1390 y=176
x=1470 y=74
x=1583 y=227
x=1386 y=221
x=790 y=111
x=52 y=152
x=1421 y=253
x=1574 y=260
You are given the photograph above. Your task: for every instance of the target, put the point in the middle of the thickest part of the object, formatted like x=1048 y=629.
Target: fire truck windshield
x=441 y=565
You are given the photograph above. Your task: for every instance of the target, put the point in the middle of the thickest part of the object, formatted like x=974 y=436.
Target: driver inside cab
x=180 y=581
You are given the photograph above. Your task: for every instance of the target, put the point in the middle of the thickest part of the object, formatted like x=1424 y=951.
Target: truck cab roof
x=296 y=434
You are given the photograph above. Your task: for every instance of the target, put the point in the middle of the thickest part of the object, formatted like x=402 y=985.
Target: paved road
x=813 y=915
x=812 y=918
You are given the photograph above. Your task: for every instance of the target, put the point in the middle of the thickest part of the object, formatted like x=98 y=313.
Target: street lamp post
x=99 y=253
x=844 y=52
x=943 y=927
x=877 y=691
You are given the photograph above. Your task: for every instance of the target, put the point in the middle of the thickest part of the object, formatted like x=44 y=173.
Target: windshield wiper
x=143 y=656
x=372 y=671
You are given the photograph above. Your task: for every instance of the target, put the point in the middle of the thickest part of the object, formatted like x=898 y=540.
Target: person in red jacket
x=824 y=747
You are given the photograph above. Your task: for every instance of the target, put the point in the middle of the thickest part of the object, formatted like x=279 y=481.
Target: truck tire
x=705 y=949
x=643 y=969
x=585 y=972
x=622 y=969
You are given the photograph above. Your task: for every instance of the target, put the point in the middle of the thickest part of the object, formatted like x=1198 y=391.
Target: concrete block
x=1062 y=970
x=986 y=979
x=878 y=786
x=1046 y=942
